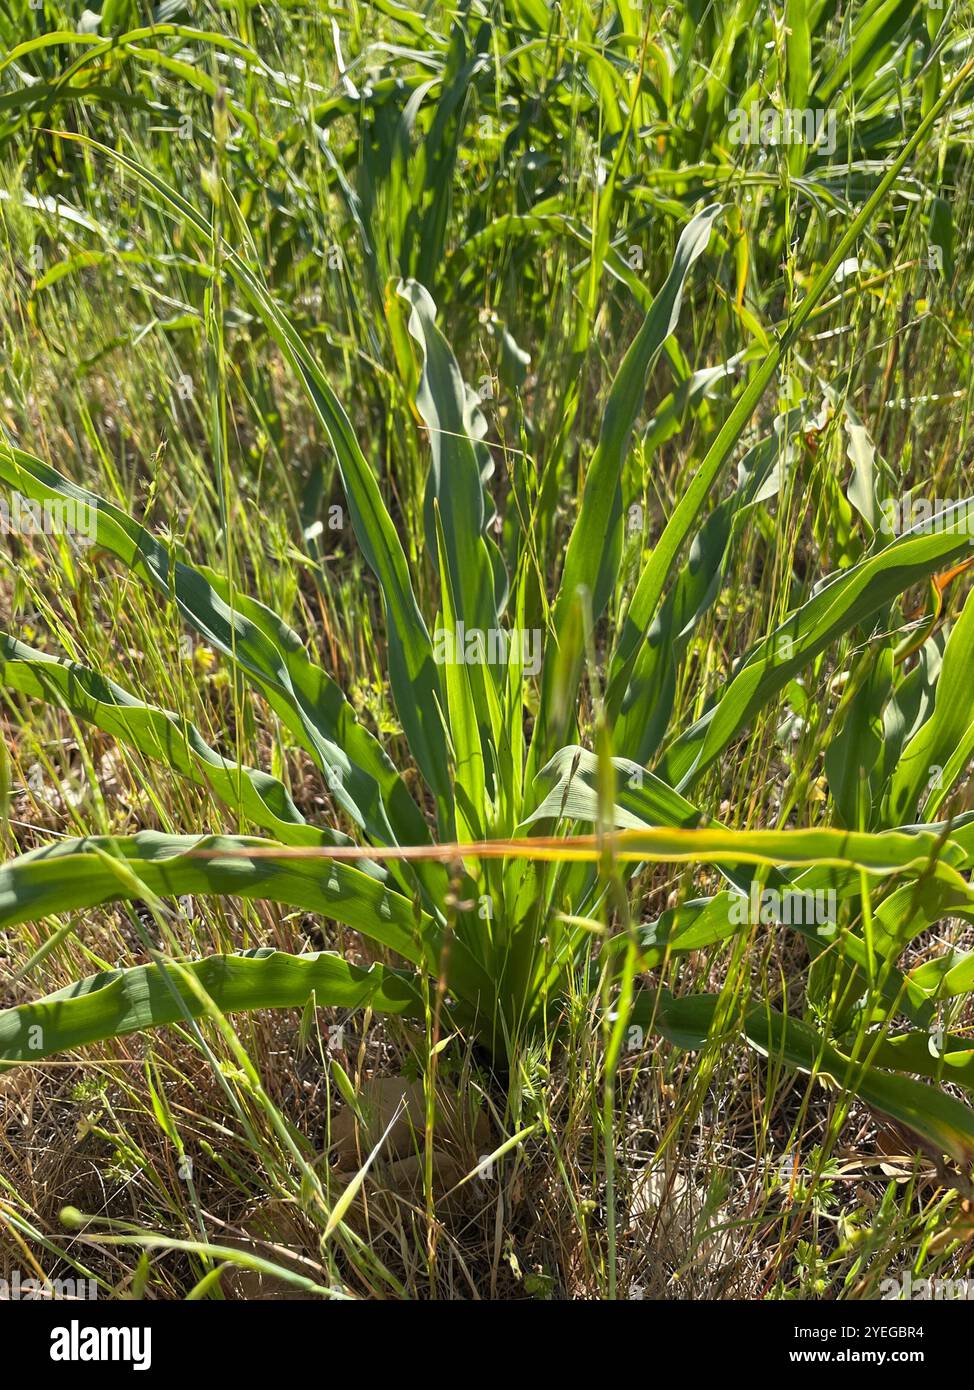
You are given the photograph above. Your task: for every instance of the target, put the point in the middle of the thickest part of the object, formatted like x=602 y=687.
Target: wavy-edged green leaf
x=360 y=776
x=641 y=799
x=595 y=544
x=642 y=697
x=944 y=1123
x=118 y=1002
x=837 y=606
x=941 y=749
x=460 y=468
x=915 y=851
x=946 y=976
x=74 y=874
x=158 y=734
x=943 y=1057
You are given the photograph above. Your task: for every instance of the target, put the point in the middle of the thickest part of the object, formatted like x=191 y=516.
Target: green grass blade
x=653 y=579
x=412 y=670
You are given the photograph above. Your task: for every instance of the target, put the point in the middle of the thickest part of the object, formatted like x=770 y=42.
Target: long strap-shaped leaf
x=645 y=708
x=75 y=874
x=360 y=775
x=469 y=794
x=643 y=801
x=945 y=1123
x=913 y=850
x=158 y=734
x=595 y=545
x=835 y=609
x=459 y=460
x=456 y=506
x=945 y=741
x=412 y=670
x=119 y=1002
